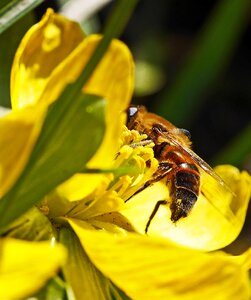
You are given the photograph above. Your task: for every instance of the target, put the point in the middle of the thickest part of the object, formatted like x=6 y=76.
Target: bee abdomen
x=185 y=191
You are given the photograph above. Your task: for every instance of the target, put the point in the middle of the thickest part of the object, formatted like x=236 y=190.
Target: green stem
x=12 y=11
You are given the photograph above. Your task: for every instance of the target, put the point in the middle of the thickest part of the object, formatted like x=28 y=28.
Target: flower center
x=133 y=165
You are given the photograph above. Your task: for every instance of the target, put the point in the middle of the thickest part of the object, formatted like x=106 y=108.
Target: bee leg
x=163 y=170
x=140 y=190
x=147 y=184
x=156 y=207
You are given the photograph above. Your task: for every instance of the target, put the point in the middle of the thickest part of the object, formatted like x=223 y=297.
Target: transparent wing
x=213 y=188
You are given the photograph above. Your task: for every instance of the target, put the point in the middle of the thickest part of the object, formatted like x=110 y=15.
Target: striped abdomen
x=184 y=177
x=185 y=190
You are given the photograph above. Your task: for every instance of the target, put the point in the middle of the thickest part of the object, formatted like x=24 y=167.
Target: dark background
x=173 y=27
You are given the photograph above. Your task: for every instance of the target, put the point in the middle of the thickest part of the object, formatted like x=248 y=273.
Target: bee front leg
x=156 y=208
x=163 y=169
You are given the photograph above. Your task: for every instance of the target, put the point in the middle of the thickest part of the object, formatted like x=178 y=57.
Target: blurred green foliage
x=238 y=150
x=211 y=54
x=13 y=10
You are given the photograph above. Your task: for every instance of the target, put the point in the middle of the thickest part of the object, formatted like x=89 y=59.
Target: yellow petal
x=41 y=50
x=79 y=186
x=41 y=72
x=26 y=266
x=206 y=227
x=18 y=133
x=112 y=79
x=147 y=268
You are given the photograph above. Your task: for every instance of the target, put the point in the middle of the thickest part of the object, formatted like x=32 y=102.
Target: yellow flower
x=156 y=266
x=51 y=55
x=213 y=223
x=27 y=266
x=151 y=268
x=106 y=241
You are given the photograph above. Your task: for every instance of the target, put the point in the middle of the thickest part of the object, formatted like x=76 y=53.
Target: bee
x=178 y=165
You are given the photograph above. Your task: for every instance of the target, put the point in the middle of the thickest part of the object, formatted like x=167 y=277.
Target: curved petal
x=41 y=50
x=207 y=227
x=26 y=266
x=18 y=133
x=148 y=268
x=79 y=186
x=112 y=79
x=53 y=54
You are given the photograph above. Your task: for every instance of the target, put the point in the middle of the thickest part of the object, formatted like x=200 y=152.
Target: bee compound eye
x=186 y=132
x=132 y=110
x=131 y=116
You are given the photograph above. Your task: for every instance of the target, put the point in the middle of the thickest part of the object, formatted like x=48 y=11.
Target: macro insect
x=179 y=166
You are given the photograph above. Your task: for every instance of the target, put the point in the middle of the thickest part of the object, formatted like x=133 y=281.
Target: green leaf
x=32 y=226
x=214 y=49
x=85 y=280
x=54 y=289
x=12 y=11
x=71 y=134
x=118 y=294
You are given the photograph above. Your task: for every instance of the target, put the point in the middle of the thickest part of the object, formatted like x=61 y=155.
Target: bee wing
x=213 y=187
x=197 y=160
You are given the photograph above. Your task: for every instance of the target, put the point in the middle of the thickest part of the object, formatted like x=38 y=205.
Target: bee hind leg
x=156 y=208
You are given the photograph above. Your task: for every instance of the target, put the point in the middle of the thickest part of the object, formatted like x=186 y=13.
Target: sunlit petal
x=206 y=227
x=18 y=133
x=41 y=50
x=148 y=268
x=79 y=186
x=112 y=79
x=53 y=54
x=26 y=266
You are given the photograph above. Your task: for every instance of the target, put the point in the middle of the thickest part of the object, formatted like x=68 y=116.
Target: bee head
x=184 y=137
x=133 y=114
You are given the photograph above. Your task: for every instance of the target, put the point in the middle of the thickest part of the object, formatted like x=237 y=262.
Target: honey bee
x=179 y=166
